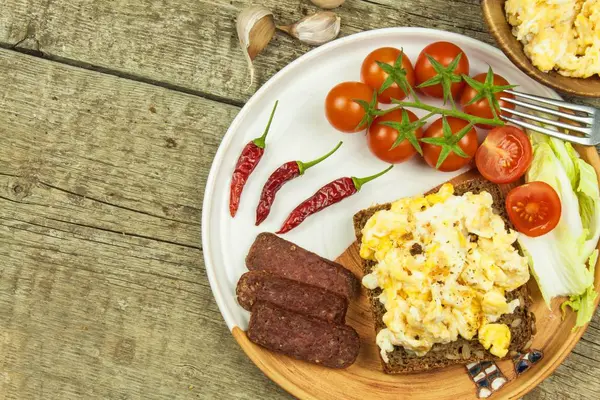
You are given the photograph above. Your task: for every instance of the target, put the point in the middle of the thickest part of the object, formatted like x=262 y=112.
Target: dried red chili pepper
x=278 y=178
x=328 y=195
x=248 y=160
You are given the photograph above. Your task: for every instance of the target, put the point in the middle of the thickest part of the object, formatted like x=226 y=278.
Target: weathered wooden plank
x=103 y=292
x=65 y=136
x=92 y=314
x=194 y=44
x=102 y=296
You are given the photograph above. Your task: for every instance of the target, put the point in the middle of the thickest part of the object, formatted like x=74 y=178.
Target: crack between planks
x=109 y=274
x=563 y=381
x=92 y=199
x=38 y=225
x=585 y=339
x=583 y=371
x=106 y=229
x=189 y=246
x=9 y=175
x=584 y=356
x=122 y=74
x=412 y=14
x=11 y=200
x=592 y=327
x=387 y=7
x=116 y=205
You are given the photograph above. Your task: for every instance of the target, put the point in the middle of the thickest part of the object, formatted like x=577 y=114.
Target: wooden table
x=110 y=115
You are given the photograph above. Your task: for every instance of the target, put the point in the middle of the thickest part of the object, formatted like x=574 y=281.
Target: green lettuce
x=563 y=260
x=565 y=156
x=583 y=304
x=589 y=197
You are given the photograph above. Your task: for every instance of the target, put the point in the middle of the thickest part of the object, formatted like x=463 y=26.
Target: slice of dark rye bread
x=462 y=351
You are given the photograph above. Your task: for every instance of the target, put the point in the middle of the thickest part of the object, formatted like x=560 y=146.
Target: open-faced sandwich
x=445 y=277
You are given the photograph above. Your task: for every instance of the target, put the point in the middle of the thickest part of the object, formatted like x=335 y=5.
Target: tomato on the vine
x=443 y=146
x=533 y=208
x=392 y=129
x=504 y=155
x=483 y=93
x=383 y=68
x=441 y=69
x=342 y=109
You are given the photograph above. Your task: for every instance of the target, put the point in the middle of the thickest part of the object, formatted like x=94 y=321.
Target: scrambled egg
x=558 y=34
x=444 y=264
x=495 y=337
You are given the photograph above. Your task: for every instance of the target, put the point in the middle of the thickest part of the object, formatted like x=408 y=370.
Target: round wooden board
x=365 y=379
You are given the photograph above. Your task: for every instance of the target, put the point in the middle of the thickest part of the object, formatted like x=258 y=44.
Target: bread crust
x=521 y=323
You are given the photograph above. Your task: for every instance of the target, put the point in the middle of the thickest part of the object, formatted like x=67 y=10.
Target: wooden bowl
x=493 y=12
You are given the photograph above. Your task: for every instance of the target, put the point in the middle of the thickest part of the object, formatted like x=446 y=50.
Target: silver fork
x=587 y=118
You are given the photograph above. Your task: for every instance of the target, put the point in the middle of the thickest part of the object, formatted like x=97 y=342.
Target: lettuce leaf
x=557 y=261
x=584 y=303
x=559 y=148
x=589 y=198
x=563 y=260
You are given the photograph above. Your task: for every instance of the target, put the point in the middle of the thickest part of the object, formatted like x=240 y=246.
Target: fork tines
x=586 y=120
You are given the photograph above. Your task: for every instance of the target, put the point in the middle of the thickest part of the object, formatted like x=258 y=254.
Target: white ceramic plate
x=300 y=131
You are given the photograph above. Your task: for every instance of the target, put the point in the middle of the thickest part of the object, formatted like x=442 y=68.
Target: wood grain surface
x=192 y=45
x=110 y=114
x=102 y=288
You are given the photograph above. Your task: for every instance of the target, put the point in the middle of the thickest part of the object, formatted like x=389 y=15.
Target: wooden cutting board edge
x=310 y=382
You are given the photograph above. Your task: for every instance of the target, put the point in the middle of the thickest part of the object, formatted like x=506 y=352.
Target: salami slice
x=301 y=337
x=293 y=296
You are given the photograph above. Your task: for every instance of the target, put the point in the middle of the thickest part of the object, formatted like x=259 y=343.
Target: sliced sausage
x=294 y=296
x=278 y=256
x=301 y=337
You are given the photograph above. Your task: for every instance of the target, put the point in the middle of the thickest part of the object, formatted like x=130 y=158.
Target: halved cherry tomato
x=374 y=76
x=444 y=53
x=482 y=108
x=504 y=155
x=534 y=208
x=468 y=144
x=380 y=138
x=343 y=113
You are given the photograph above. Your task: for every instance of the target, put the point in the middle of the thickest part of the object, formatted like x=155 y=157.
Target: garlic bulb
x=255 y=29
x=315 y=29
x=327 y=4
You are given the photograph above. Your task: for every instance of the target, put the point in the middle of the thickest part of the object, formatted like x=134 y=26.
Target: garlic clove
x=327 y=4
x=315 y=29
x=255 y=28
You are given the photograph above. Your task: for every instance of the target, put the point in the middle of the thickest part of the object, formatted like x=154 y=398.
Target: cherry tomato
x=468 y=144
x=444 y=53
x=374 y=76
x=504 y=155
x=534 y=208
x=342 y=112
x=380 y=138
x=481 y=108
